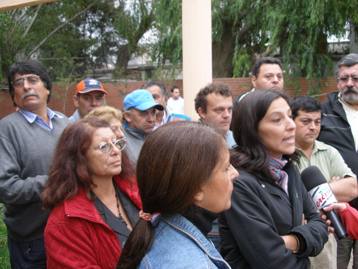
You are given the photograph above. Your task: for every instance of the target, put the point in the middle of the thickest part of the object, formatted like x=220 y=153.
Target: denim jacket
x=178 y=243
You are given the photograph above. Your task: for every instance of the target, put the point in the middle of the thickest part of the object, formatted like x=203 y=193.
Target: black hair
x=304 y=103
x=251 y=154
x=173 y=88
x=156 y=83
x=169 y=175
x=28 y=67
x=264 y=60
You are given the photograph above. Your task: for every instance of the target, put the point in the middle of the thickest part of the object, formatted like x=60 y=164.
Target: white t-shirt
x=176 y=106
x=352 y=117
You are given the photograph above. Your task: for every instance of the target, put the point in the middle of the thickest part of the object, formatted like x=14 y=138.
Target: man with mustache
x=340 y=130
x=27 y=141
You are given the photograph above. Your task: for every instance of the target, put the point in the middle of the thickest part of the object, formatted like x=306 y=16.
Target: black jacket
x=260 y=213
x=336 y=131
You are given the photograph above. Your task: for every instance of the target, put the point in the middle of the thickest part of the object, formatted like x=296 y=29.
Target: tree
x=296 y=31
x=74 y=38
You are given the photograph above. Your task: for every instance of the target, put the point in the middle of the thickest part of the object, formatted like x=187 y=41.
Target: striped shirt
x=34 y=118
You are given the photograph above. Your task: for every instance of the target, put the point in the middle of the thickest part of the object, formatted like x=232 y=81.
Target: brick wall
x=61 y=96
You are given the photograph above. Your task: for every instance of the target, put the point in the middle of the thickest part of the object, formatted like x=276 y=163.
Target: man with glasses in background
x=340 y=130
x=27 y=141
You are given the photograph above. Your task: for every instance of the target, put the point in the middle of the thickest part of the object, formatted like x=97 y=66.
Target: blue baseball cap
x=141 y=100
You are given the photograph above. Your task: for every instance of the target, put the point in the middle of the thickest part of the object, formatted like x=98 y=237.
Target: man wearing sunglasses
x=27 y=141
x=340 y=130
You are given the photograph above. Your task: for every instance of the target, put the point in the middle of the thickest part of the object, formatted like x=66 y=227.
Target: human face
x=218 y=112
x=277 y=129
x=103 y=164
x=348 y=84
x=308 y=126
x=30 y=92
x=157 y=95
x=215 y=194
x=116 y=127
x=269 y=77
x=141 y=120
x=175 y=93
x=86 y=102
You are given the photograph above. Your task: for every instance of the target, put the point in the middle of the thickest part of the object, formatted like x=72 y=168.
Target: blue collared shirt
x=34 y=118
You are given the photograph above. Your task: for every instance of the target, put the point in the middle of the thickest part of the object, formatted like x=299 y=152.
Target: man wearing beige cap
x=89 y=95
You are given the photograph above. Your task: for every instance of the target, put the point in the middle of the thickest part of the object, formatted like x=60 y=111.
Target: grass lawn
x=4 y=255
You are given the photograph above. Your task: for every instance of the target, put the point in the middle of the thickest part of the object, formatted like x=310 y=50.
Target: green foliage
x=75 y=38
x=168 y=32
x=4 y=254
x=241 y=63
x=295 y=31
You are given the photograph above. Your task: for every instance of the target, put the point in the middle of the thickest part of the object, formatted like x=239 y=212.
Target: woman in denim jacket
x=185 y=179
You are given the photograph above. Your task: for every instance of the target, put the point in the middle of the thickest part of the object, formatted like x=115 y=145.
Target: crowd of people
x=147 y=187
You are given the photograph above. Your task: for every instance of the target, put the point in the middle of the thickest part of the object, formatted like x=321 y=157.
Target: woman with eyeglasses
x=110 y=114
x=91 y=213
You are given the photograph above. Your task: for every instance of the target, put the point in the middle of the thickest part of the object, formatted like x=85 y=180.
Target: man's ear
x=201 y=113
x=75 y=100
x=253 y=81
x=127 y=116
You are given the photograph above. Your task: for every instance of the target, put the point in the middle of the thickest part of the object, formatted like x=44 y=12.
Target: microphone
x=322 y=196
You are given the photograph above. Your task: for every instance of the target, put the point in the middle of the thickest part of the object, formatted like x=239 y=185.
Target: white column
x=197 y=52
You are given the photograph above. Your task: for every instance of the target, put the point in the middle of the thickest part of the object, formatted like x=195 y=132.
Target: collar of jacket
x=337 y=107
x=183 y=225
x=139 y=134
x=81 y=206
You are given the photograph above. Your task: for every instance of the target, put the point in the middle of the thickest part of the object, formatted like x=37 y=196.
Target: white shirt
x=175 y=106
x=352 y=117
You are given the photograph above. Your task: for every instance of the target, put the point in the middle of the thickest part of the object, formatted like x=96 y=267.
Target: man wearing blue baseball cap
x=89 y=95
x=139 y=120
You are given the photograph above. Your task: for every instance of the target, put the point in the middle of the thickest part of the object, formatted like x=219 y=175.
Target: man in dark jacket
x=340 y=130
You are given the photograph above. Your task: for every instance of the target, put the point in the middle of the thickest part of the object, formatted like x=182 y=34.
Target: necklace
x=118 y=206
x=121 y=216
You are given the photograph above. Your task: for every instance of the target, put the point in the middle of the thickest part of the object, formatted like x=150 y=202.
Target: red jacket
x=76 y=236
x=350 y=219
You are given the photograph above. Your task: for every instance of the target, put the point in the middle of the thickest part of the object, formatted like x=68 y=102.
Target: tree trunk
x=223 y=51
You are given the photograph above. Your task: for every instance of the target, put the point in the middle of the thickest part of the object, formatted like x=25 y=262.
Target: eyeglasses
x=345 y=79
x=31 y=79
x=107 y=147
